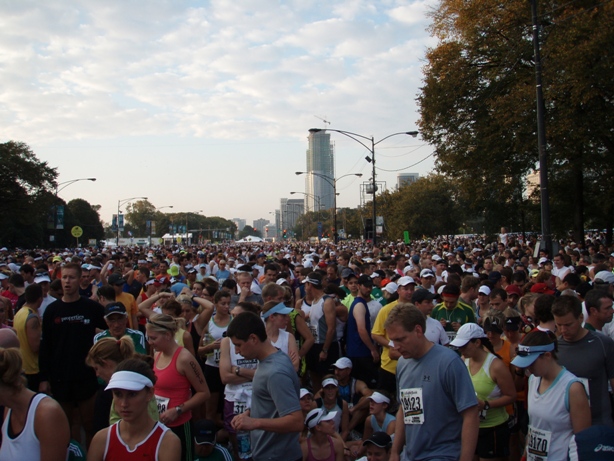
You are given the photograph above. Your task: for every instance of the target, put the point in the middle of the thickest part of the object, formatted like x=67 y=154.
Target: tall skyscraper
x=290 y=210
x=321 y=161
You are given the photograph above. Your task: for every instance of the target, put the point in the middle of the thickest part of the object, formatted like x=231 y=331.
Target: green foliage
x=26 y=188
x=478 y=106
x=249 y=230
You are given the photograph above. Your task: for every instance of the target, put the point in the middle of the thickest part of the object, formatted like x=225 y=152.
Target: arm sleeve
x=282 y=391
x=459 y=386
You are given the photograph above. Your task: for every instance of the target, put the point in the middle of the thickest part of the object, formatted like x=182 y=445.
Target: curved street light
x=151 y=223
x=55 y=206
x=119 y=204
x=333 y=183
x=371 y=159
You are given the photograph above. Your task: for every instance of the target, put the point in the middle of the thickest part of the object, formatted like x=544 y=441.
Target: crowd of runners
x=444 y=349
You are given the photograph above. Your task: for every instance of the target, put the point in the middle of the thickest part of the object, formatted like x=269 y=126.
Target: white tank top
x=231 y=391
x=317 y=321
x=550 y=429
x=282 y=341
x=216 y=332
x=306 y=308
x=25 y=445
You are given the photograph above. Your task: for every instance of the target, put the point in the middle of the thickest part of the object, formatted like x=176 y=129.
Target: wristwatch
x=486 y=405
x=238 y=371
x=179 y=410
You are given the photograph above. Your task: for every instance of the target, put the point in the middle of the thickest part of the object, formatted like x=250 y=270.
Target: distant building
x=289 y=211
x=321 y=172
x=260 y=224
x=404 y=179
x=240 y=223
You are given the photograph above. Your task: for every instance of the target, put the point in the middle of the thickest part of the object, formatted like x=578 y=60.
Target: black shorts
x=184 y=432
x=313 y=358
x=214 y=381
x=364 y=369
x=73 y=391
x=493 y=442
x=387 y=381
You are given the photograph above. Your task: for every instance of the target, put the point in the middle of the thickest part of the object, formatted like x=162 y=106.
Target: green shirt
x=462 y=314
x=137 y=338
x=219 y=453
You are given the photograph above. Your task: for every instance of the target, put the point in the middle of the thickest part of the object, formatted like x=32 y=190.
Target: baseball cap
x=426 y=273
x=484 y=290
x=466 y=333
x=204 y=432
x=379 y=439
x=329 y=382
x=404 y=281
x=422 y=295
x=303 y=392
x=526 y=355
x=514 y=290
x=345 y=273
x=315 y=417
x=114 y=308
x=605 y=277
x=541 y=288
x=342 y=363
x=366 y=280
x=116 y=279
x=494 y=276
x=128 y=380
x=391 y=287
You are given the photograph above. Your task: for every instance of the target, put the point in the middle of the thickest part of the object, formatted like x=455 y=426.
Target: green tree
x=249 y=230
x=26 y=188
x=478 y=105
x=138 y=213
x=81 y=213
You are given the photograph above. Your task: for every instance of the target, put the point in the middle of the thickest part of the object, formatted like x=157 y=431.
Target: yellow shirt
x=30 y=359
x=131 y=308
x=388 y=364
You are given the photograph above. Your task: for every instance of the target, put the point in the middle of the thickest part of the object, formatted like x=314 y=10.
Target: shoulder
x=99 y=336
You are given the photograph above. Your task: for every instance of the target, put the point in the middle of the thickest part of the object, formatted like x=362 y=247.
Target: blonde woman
x=176 y=371
x=31 y=421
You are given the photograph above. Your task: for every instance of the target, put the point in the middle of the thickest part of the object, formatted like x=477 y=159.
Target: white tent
x=250 y=239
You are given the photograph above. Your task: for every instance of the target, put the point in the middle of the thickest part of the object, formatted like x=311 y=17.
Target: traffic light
x=285 y=234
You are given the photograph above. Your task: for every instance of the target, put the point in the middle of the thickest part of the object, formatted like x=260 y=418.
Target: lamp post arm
x=351 y=135
x=409 y=133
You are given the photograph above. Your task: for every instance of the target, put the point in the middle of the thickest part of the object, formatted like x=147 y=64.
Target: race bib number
x=413 y=409
x=216 y=356
x=314 y=332
x=162 y=403
x=239 y=407
x=538 y=444
x=588 y=392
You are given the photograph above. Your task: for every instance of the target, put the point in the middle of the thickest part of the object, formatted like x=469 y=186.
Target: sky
x=207 y=105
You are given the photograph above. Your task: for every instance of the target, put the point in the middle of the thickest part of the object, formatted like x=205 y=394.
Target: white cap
x=466 y=333
x=391 y=287
x=315 y=417
x=426 y=273
x=342 y=363
x=379 y=398
x=128 y=380
x=403 y=281
x=330 y=381
x=303 y=392
x=484 y=290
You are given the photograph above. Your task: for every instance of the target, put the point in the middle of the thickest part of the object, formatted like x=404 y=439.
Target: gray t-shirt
x=592 y=359
x=253 y=298
x=275 y=393
x=433 y=390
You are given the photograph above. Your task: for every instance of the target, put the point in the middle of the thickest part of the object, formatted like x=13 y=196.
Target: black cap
x=347 y=272
x=421 y=295
x=204 y=432
x=114 y=308
x=379 y=439
x=116 y=279
x=365 y=280
x=494 y=276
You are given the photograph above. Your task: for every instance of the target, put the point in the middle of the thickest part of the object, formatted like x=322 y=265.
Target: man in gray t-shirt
x=275 y=419
x=438 y=405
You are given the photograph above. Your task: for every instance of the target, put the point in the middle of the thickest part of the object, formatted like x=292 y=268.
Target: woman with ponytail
x=494 y=387
x=177 y=371
x=103 y=357
x=35 y=427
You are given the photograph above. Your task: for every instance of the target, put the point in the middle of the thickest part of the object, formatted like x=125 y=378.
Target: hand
x=394 y=354
x=243 y=422
x=323 y=356
x=480 y=405
x=375 y=355
x=443 y=322
x=169 y=416
x=216 y=344
x=456 y=326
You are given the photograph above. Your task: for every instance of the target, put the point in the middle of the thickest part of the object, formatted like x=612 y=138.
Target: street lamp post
x=65 y=184
x=333 y=183
x=371 y=159
x=119 y=204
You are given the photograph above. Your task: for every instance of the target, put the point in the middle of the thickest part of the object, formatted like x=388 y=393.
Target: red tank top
x=330 y=457
x=172 y=389
x=146 y=450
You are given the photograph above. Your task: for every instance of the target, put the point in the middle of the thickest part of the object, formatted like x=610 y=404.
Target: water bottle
x=208 y=339
x=244 y=445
